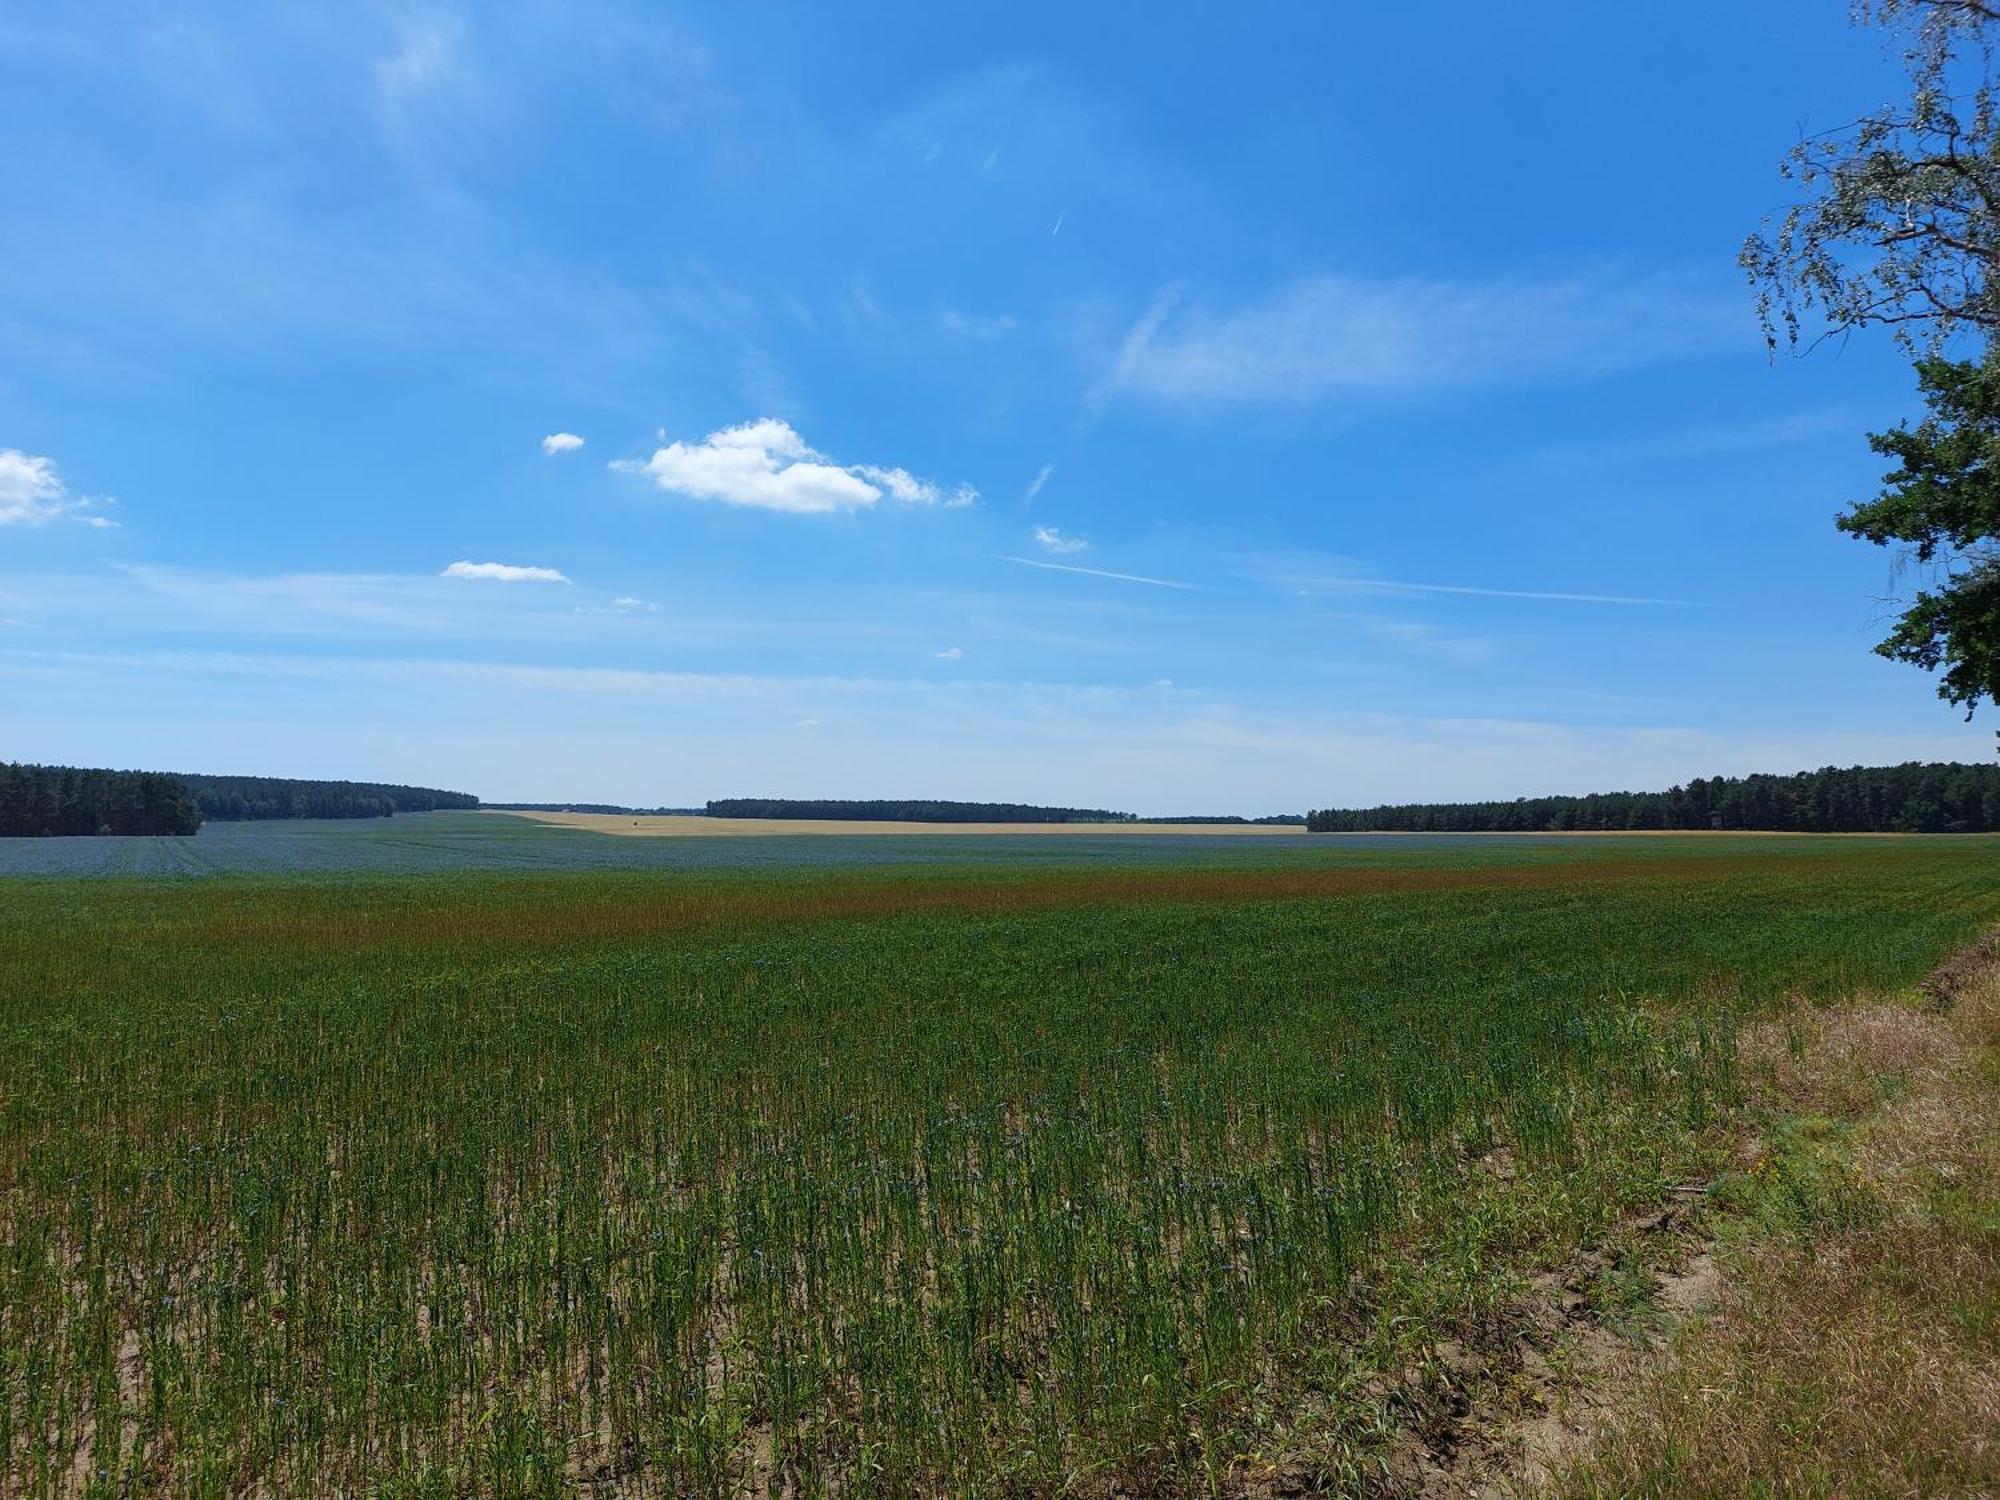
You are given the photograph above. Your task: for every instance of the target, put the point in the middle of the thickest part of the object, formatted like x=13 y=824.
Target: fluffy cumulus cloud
x=766 y=465
x=503 y=573
x=32 y=492
x=561 y=442
x=1053 y=541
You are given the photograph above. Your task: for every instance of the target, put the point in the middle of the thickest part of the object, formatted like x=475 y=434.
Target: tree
x=1902 y=227
x=1943 y=504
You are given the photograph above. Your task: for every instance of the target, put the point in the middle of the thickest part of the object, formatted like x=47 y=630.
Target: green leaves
x=1902 y=228
x=1942 y=502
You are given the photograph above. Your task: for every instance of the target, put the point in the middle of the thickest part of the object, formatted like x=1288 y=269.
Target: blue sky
x=1168 y=411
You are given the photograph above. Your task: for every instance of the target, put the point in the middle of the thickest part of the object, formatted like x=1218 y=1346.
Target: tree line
x=909 y=812
x=59 y=801
x=1938 y=797
x=236 y=799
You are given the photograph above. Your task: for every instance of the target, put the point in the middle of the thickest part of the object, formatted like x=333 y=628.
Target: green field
x=857 y=1180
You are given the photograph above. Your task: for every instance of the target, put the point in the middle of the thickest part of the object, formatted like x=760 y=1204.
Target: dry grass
x=1856 y=1349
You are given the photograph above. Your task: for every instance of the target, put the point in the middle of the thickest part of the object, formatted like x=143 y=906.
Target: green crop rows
x=828 y=1182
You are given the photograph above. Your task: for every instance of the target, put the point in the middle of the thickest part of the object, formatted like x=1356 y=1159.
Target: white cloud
x=901 y=484
x=32 y=492
x=1054 y=541
x=953 y=653
x=561 y=442
x=1324 y=336
x=1041 y=478
x=503 y=573
x=766 y=465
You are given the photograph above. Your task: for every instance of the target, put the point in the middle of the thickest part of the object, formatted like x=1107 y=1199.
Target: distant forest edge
x=1942 y=797
x=55 y=801
x=72 y=801
x=909 y=812
x=242 y=799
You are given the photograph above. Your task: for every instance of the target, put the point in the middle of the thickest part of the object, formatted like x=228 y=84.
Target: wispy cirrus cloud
x=979 y=328
x=1054 y=542
x=422 y=86
x=1725 y=440
x=142 y=601
x=766 y=465
x=1327 y=336
x=1147 y=746
x=1392 y=586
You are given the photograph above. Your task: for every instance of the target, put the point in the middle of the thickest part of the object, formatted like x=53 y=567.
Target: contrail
x=1158 y=583
x=1386 y=586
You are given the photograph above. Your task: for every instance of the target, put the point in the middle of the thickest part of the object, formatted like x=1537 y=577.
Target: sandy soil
x=683 y=827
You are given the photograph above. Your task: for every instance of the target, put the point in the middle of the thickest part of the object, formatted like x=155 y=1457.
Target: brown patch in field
x=370 y=918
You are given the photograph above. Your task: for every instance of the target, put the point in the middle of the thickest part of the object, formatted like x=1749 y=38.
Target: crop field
x=430 y=843
x=871 y=1177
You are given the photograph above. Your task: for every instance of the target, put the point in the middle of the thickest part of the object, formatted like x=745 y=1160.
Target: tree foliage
x=57 y=801
x=1945 y=797
x=1901 y=227
x=1901 y=222
x=225 y=799
x=1942 y=502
